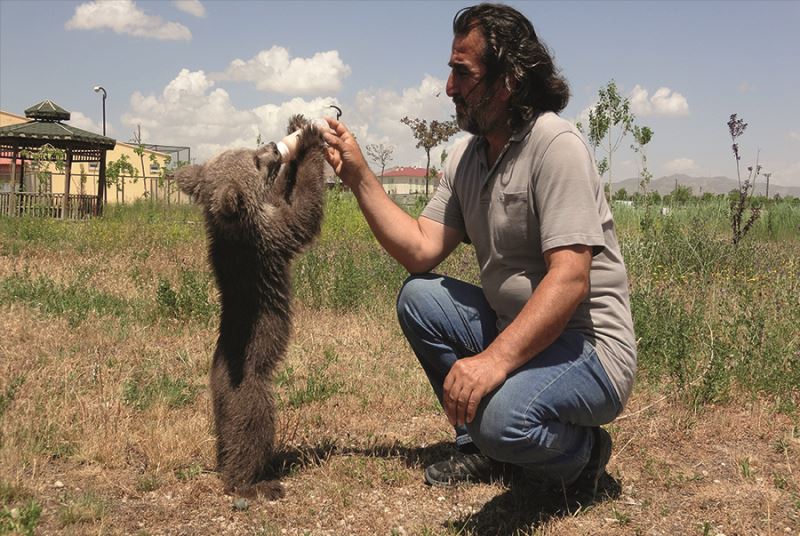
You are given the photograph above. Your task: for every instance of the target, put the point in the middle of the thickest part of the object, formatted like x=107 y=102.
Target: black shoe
x=463 y=468
x=590 y=477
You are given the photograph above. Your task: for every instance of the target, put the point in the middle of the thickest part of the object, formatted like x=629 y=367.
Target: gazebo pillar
x=67 y=177
x=14 y=180
x=101 y=184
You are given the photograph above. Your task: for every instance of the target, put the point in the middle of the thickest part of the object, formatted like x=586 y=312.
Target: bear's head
x=234 y=184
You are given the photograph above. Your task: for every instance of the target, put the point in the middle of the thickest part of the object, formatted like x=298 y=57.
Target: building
x=402 y=181
x=143 y=177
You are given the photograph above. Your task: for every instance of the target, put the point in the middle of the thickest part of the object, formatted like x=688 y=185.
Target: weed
x=10 y=493
x=49 y=439
x=742 y=201
x=744 y=466
x=780 y=482
x=190 y=300
x=85 y=508
x=318 y=385
x=189 y=472
x=621 y=517
x=7 y=395
x=285 y=376
x=148 y=482
x=140 y=392
x=74 y=301
x=21 y=519
x=318 y=388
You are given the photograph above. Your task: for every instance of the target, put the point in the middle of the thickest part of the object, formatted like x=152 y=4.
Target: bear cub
x=258 y=214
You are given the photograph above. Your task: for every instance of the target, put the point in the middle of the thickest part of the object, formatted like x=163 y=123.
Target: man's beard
x=476 y=118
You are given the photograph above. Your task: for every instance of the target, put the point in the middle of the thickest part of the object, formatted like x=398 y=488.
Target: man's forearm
x=541 y=321
x=397 y=232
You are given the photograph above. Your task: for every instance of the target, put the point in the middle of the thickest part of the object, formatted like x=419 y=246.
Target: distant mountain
x=701 y=185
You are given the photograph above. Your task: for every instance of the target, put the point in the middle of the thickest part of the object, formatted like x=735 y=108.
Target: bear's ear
x=189 y=179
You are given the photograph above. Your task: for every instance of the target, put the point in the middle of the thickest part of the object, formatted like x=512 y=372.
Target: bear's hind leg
x=246 y=438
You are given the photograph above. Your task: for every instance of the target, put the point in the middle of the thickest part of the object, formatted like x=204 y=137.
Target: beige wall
x=128 y=191
x=407 y=185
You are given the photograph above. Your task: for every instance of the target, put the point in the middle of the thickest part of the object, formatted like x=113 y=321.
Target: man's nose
x=450 y=88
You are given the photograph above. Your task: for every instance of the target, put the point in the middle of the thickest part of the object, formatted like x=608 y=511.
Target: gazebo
x=46 y=128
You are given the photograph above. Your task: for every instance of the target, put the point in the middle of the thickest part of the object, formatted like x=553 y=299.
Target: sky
x=215 y=74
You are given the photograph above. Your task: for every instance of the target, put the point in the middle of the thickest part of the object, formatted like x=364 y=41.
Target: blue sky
x=213 y=74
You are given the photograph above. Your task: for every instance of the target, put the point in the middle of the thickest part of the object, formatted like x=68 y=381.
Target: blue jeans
x=542 y=417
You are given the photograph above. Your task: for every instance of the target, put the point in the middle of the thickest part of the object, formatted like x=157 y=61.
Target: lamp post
x=98 y=89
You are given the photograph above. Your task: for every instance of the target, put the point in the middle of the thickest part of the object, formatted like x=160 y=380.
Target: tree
x=609 y=121
x=621 y=195
x=642 y=136
x=380 y=154
x=40 y=164
x=139 y=150
x=742 y=199
x=116 y=171
x=681 y=195
x=429 y=136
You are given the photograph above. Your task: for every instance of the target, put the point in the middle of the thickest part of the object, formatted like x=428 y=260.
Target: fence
x=46 y=205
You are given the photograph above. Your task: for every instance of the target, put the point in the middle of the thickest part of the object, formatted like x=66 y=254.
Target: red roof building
x=408 y=180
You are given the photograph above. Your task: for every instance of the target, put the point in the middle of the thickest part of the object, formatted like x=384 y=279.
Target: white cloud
x=376 y=116
x=664 y=102
x=275 y=70
x=190 y=111
x=680 y=165
x=795 y=136
x=79 y=120
x=193 y=111
x=192 y=7
x=124 y=17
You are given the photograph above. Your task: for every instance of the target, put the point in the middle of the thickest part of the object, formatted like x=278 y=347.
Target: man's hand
x=469 y=380
x=343 y=153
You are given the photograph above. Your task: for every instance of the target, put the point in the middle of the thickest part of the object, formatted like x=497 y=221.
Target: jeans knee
x=412 y=295
x=494 y=437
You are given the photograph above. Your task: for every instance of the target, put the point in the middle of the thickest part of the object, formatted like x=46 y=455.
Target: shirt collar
x=517 y=136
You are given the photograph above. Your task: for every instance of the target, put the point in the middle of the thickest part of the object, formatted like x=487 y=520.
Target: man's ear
x=189 y=179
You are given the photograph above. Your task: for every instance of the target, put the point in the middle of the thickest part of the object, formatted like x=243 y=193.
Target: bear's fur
x=258 y=217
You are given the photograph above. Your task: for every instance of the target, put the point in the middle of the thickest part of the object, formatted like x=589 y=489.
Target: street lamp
x=98 y=89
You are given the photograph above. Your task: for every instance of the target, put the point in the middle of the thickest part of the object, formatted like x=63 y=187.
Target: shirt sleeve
x=566 y=193
x=444 y=206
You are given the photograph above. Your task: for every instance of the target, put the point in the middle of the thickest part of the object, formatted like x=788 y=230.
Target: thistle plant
x=743 y=199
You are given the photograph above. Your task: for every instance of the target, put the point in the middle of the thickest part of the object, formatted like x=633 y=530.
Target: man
x=529 y=365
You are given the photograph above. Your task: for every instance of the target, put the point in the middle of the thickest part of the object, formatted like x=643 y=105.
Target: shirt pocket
x=509 y=223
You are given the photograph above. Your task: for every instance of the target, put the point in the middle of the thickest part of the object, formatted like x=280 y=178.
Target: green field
x=107 y=326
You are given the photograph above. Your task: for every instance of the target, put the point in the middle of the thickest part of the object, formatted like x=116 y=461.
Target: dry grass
x=104 y=424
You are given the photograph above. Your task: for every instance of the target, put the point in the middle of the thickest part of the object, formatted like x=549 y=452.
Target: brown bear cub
x=258 y=216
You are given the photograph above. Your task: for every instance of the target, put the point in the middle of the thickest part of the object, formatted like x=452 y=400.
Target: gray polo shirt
x=543 y=192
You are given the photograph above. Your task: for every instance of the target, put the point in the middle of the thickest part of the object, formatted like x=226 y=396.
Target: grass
x=86 y=507
x=109 y=325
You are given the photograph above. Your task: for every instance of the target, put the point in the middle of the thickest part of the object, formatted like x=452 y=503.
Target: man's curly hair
x=513 y=51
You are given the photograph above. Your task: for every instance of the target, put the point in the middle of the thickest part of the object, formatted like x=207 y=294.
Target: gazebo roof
x=47 y=110
x=47 y=127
